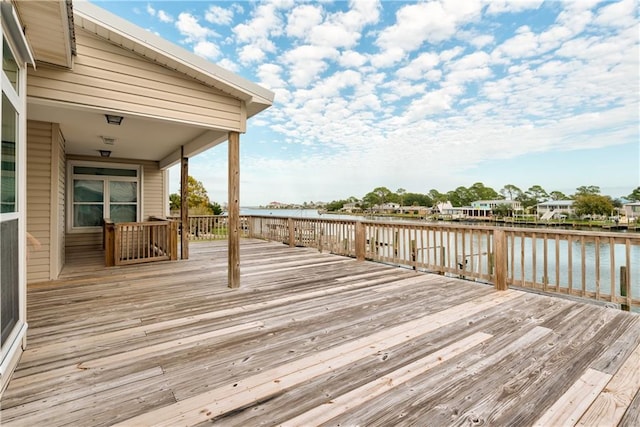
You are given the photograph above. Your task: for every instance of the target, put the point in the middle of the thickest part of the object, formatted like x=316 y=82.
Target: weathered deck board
x=309 y=339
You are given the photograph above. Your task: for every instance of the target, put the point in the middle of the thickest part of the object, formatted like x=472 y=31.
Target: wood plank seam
x=329 y=410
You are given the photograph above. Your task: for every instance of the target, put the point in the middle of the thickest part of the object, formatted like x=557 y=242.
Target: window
x=103 y=191
x=8 y=181
x=9 y=65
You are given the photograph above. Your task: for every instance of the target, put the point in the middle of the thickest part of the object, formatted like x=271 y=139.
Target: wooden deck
x=315 y=339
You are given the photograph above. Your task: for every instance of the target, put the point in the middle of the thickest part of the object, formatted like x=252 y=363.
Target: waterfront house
x=351 y=207
x=632 y=211
x=94 y=112
x=555 y=208
x=488 y=205
x=386 y=208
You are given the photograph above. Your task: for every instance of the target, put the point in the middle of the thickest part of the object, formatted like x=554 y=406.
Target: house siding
x=103 y=77
x=39 y=166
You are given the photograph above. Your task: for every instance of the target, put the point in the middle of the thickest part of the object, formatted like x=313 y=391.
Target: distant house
x=446 y=209
x=276 y=205
x=488 y=205
x=351 y=208
x=555 y=209
x=632 y=211
x=387 y=208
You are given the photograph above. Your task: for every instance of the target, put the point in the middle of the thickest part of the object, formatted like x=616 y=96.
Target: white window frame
x=104 y=178
x=11 y=31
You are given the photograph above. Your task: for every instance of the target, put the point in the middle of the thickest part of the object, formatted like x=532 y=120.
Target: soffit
x=47 y=28
x=136 y=138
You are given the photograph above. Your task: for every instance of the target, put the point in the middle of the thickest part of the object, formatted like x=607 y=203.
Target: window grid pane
x=123 y=191
x=8 y=158
x=86 y=215
x=85 y=190
x=9 y=65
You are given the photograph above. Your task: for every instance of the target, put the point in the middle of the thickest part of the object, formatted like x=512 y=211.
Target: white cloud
x=189 y=27
x=620 y=14
x=302 y=19
x=270 y=75
x=150 y=10
x=250 y=54
x=481 y=40
x=219 y=15
x=165 y=17
x=265 y=22
x=416 y=24
x=417 y=68
x=228 y=64
x=206 y=49
x=307 y=62
x=352 y=59
x=512 y=6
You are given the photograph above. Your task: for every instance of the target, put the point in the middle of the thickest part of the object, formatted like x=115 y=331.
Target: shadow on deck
x=314 y=338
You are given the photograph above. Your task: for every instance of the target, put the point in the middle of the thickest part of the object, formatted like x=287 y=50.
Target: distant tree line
x=587 y=199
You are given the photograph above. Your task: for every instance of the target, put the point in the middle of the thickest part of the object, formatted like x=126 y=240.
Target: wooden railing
x=601 y=266
x=139 y=242
x=211 y=227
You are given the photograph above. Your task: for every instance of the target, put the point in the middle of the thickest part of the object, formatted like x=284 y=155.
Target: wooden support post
x=500 y=259
x=624 y=287
x=234 y=210
x=292 y=232
x=360 y=240
x=184 y=205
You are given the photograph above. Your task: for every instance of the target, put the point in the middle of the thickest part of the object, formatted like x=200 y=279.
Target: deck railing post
x=500 y=259
x=292 y=232
x=173 y=240
x=414 y=255
x=360 y=240
x=109 y=241
x=624 y=287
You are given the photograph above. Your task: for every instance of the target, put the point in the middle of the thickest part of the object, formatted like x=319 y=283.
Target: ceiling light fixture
x=108 y=140
x=113 y=119
x=105 y=153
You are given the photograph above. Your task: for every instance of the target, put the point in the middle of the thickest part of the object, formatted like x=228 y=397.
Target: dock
x=313 y=338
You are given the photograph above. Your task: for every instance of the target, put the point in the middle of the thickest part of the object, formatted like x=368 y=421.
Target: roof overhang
x=48 y=27
x=123 y=33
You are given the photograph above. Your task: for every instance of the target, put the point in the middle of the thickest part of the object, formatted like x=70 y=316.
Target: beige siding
x=153 y=199
x=39 y=143
x=108 y=76
x=153 y=191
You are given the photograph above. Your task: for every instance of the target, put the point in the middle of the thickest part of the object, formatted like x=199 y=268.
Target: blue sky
x=419 y=95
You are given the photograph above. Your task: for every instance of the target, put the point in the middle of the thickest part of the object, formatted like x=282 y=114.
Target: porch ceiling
x=136 y=138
